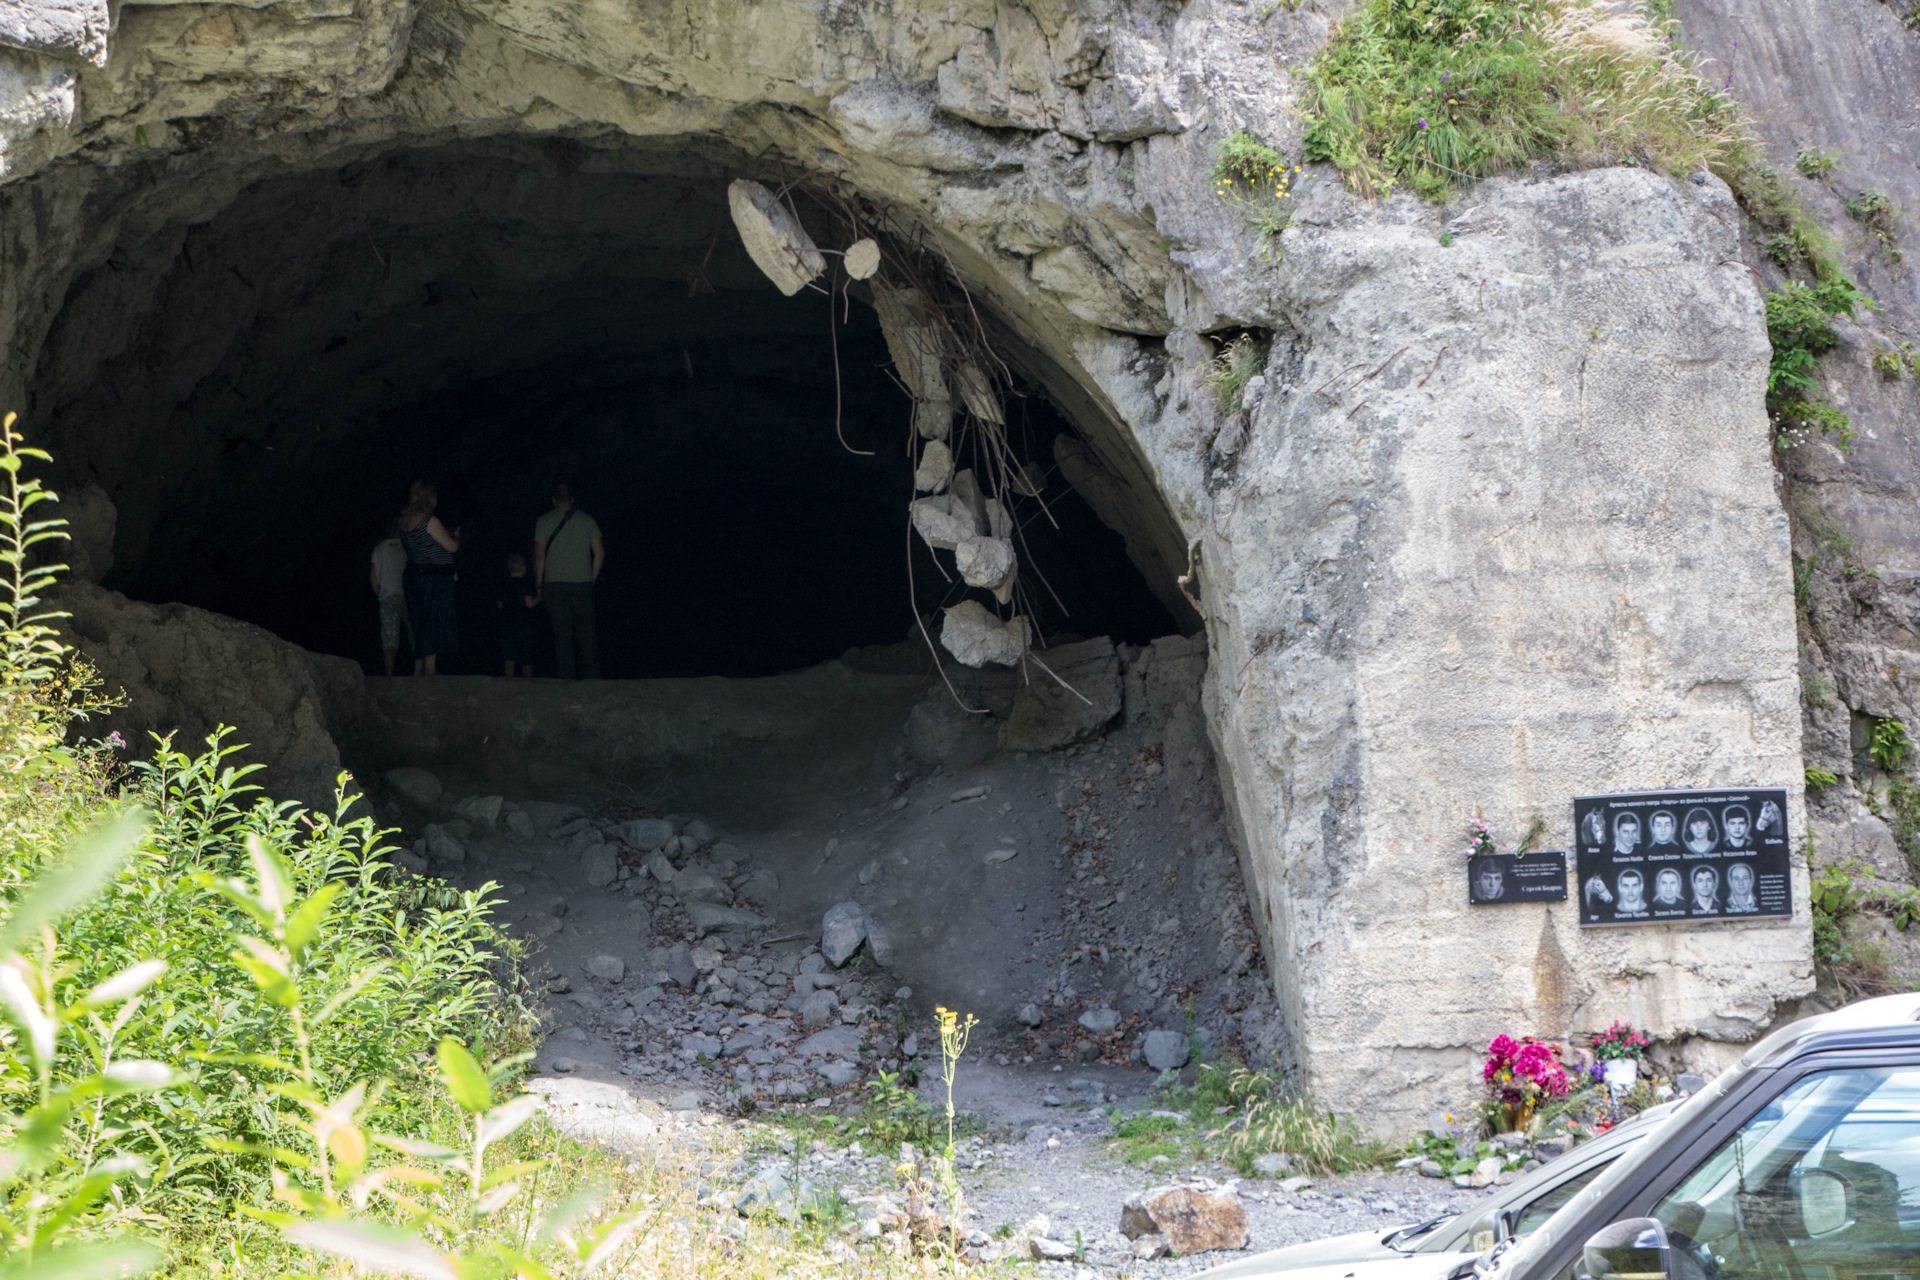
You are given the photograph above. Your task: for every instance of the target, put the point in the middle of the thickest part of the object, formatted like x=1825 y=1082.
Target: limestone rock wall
x=187 y=672
x=1504 y=532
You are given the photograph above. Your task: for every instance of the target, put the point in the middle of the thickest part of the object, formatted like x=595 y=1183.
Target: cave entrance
x=499 y=317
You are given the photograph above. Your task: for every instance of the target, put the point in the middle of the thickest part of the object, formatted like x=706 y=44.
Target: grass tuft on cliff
x=1431 y=95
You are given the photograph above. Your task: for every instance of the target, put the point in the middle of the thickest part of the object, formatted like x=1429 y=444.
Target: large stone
x=482 y=811
x=774 y=238
x=415 y=784
x=1191 y=1221
x=841 y=1042
x=600 y=863
x=698 y=884
x=711 y=917
x=606 y=968
x=441 y=848
x=976 y=637
x=1072 y=694
x=680 y=966
x=842 y=930
x=1100 y=1021
x=1165 y=1050
x=644 y=834
x=817 y=1008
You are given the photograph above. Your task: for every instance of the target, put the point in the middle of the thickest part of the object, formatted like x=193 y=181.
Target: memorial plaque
x=1671 y=857
x=1497 y=879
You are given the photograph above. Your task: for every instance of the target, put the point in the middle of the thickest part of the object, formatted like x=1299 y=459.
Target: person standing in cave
x=515 y=604
x=567 y=555
x=430 y=577
x=388 y=577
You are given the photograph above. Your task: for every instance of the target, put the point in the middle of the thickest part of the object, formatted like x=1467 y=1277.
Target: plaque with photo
x=1674 y=857
x=1499 y=879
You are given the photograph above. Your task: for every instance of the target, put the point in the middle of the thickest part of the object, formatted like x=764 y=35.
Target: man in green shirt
x=567 y=555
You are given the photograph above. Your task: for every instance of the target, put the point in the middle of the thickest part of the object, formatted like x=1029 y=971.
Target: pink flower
x=1503 y=1047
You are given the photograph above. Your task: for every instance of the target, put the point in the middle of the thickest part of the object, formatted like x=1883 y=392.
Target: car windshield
x=1535 y=1197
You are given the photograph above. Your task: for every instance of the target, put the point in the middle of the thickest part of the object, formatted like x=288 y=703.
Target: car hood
x=1395 y=1266
x=1359 y=1246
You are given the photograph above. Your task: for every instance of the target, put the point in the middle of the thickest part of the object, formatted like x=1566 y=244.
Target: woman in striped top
x=430 y=577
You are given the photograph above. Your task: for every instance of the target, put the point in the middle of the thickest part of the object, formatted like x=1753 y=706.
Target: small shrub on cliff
x=1814 y=163
x=1800 y=326
x=1432 y=94
x=1232 y=369
x=1255 y=178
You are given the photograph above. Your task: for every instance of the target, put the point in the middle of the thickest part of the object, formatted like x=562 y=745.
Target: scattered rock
x=1288 y=1186
x=606 y=968
x=911 y=1045
x=1047 y=716
x=1486 y=1171
x=698 y=833
x=762 y=886
x=697 y=884
x=870 y=872
x=442 y=847
x=999 y=856
x=1149 y=1247
x=414 y=784
x=1100 y=1021
x=1045 y=1250
x=711 y=917
x=844 y=928
x=1432 y=1169
x=970 y=793
x=688 y=1101
x=521 y=825
x=1030 y=1015
x=644 y=834
x=1552 y=1148
x=565 y=1064
x=411 y=861
x=680 y=966
x=482 y=811
x=837 y=1042
x=1272 y=1164
x=1192 y=1221
x=817 y=1008
x=600 y=863
x=660 y=867
x=700 y=1044
x=1165 y=1050
x=839 y=1073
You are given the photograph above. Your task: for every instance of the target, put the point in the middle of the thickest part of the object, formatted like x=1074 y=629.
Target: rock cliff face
x=1504 y=531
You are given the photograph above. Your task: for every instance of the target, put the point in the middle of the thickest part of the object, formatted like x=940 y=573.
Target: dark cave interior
x=498 y=317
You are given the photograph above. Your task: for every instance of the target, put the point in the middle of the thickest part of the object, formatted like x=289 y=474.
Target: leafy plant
x=1888 y=362
x=1814 y=163
x=1820 y=779
x=1316 y=1140
x=1800 y=327
x=1889 y=745
x=1254 y=177
x=1875 y=210
x=895 y=1113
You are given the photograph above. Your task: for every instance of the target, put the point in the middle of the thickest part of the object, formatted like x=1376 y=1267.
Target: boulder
x=1165 y=1050
x=701 y=1045
x=712 y=917
x=1273 y=1164
x=417 y=785
x=1100 y=1021
x=697 y=884
x=836 y=1042
x=975 y=637
x=522 y=825
x=644 y=834
x=1045 y=1249
x=680 y=966
x=1030 y=1015
x=843 y=929
x=698 y=833
x=660 y=867
x=442 y=848
x=606 y=968
x=817 y=1008
x=408 y=860
x=1048 y=715
x=761 y=886
x=482 y=811
x=773 y=1191
x=1192 y=1221
x=600 y=863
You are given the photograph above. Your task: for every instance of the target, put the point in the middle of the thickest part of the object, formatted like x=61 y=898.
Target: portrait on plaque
x=1667 y=857
x=1497 y=879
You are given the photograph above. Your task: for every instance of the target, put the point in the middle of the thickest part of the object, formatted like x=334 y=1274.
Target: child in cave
x=516 y=603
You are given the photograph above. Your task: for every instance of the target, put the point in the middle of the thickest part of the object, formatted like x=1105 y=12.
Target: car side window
x=1549 y=1204
x=1825 y=1181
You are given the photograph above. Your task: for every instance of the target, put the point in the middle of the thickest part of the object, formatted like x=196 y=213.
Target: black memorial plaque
x=1668 y=857
x=1497 y=879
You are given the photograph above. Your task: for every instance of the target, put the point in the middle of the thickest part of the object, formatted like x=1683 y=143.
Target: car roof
x=1882 y=1021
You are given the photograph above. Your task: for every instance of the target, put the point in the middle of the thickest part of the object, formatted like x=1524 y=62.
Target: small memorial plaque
x=1669 y=857
x=1497 y=879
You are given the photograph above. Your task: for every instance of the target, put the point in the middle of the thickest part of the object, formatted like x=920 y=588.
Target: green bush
x=401 y=963
x=1814 y=163
x=1800 y=326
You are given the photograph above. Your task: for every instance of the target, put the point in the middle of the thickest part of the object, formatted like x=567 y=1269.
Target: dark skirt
x=430 y=606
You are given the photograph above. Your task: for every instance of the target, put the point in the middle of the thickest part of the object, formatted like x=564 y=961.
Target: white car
x=1440 y=1246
